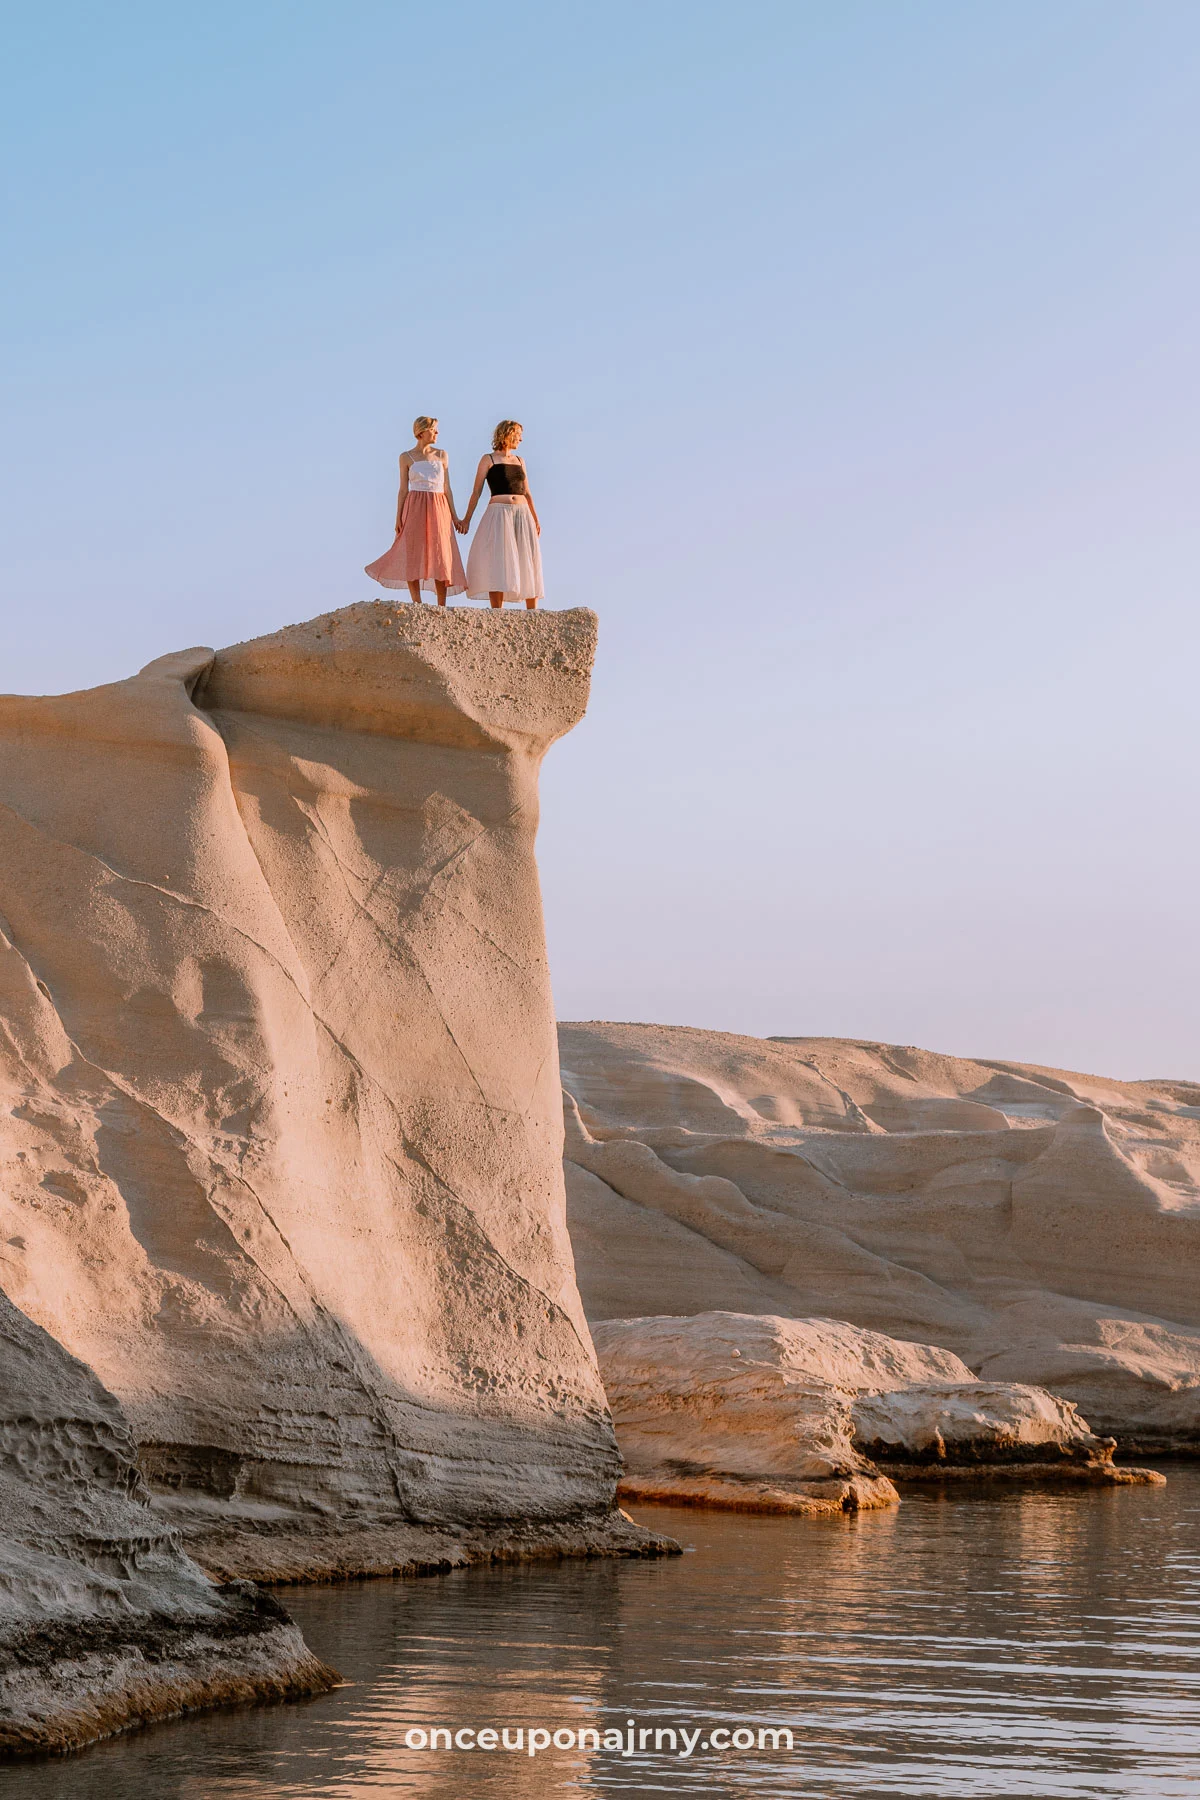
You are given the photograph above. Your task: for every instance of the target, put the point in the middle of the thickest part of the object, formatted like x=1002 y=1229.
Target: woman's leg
x=414 y=592
x=496 y=599
x=441 y=592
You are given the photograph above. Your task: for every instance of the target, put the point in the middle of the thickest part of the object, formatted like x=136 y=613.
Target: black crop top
x=506 y=478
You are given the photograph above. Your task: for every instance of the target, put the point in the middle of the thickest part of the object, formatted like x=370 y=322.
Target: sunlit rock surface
x=1042 y=1225
x=280 y=1126
x=807 y=1415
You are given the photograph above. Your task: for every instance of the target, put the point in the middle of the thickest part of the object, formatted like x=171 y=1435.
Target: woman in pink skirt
x=505 y=562
x=425 y=553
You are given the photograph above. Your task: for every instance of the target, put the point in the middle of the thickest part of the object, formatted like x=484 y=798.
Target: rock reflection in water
x=1039 y=1645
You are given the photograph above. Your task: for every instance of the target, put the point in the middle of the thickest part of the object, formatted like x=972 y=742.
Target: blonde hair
x=422 y=422
x=506 y=429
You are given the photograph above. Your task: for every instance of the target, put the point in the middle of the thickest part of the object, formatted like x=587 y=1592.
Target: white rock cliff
x=280 y=1118
x=1042 y=1225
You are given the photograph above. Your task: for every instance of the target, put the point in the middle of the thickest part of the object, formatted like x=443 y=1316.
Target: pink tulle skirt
x=426 y=549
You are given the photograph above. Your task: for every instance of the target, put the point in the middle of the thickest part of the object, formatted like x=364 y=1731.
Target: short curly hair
x=505 y=431
x=422 y=422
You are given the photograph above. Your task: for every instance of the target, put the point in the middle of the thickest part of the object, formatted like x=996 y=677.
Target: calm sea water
x=1035 y=1645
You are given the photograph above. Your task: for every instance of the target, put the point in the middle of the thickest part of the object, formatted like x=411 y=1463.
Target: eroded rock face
x=103 y=1620
x=280 y=1126
x=744 y=1410
x=1042 y=1225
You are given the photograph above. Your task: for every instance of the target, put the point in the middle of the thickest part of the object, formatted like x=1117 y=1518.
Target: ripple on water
x=1038 y=1645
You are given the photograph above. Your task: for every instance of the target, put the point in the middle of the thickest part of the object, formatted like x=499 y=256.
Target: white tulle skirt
x=505 y=558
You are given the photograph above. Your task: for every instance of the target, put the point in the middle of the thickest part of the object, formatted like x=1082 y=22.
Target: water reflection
x=1043 y=1646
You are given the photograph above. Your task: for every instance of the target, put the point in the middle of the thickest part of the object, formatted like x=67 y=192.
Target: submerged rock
x=1042 y=1224
x=807 y=1415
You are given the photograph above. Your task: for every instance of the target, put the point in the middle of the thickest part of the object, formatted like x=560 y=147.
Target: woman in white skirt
x=505 y=562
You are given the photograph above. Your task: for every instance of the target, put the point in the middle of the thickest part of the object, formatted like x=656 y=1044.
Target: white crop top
x=427 y=476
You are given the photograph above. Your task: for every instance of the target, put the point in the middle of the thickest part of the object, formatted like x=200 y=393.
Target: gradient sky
x=857 y=351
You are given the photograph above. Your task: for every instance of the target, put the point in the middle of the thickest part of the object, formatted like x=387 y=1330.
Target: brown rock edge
x=809 y=1499
x=291 y=1555
x=67 y=1686
x=1041 y=1474
x=864 y=1493
x=990 y=1460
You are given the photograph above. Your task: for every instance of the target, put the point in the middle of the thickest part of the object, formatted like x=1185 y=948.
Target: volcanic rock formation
x=1042 y=1225
x=767 y=1414
x=280 y=1122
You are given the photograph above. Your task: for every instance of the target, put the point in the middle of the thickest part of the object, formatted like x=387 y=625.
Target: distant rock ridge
x=280 y=1125
x=1042 y=1225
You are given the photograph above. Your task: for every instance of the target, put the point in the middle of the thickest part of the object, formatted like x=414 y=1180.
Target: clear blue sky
x=857 y=350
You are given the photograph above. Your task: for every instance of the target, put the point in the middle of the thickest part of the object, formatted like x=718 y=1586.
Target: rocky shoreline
x=65 y=1686
x=362 y=1553
x=753 y=1413
x=826 y=1499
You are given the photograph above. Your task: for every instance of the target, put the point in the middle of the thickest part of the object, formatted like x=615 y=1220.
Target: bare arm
x=457 y=522
x=402 y=496
x=485 y=463
x=529 y=499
